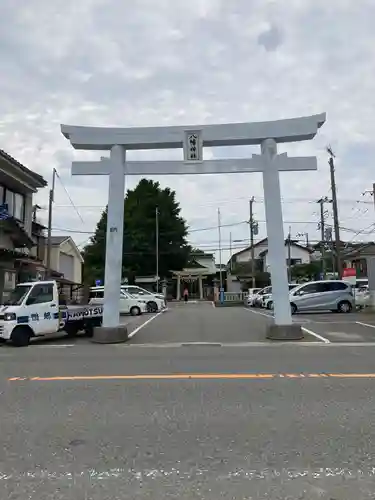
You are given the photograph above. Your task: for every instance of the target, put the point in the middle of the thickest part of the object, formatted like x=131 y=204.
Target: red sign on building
x=349 y=272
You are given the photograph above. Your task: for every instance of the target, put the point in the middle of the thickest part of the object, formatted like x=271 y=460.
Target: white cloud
x=110 y=62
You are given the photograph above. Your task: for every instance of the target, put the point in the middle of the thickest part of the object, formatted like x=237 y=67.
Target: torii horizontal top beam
x=221 y=166
x=230 y=134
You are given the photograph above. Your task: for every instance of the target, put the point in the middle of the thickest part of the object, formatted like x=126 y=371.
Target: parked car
x=252 y=292
x=267 y=301
x=128 y=304
x=325 y=295
x=155 y=301
x=362 y=296
x=257 y=301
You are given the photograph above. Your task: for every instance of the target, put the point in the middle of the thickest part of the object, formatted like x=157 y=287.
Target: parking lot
x=353 y=327
x=201 y=323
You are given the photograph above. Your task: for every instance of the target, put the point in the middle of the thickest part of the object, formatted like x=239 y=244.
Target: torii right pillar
x=283 y=327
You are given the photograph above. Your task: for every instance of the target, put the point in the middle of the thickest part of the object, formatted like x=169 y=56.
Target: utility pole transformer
x=372 y=193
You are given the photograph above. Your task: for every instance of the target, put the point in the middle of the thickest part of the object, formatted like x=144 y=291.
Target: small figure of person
x=186 y=294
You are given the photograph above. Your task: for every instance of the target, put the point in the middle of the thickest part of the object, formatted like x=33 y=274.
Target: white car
x=361 y=296
x=155 y=301
x=258 y=297
x=267 y=301
x=252 y=292
x=128 y=304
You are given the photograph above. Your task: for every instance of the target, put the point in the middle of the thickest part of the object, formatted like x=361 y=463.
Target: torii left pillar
x=114 y=238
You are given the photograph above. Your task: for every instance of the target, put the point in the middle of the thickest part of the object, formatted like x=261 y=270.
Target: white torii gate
x=192 y=139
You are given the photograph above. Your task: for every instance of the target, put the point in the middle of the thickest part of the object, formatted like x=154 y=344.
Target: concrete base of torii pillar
x=110 y=334
x=284 y=332
x=370 y=306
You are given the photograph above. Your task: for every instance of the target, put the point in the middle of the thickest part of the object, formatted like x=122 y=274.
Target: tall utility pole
x=289 y=255
x=322 y=235
x=306 y=236
x=157 y=247
x=335 y=212
x=49 y=230
x=371 y=192
x=230 y=251
x=251 y=229
x=219 y=230
x=328 y=238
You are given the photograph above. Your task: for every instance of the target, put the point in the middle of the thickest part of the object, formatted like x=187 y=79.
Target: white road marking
x=320 y=337
x=203 y=344
x=260 y=313
x=144 y=324
x=169 y=345
x=308 y=331
x=53 y=346
x=335 y=471
x=365 y=324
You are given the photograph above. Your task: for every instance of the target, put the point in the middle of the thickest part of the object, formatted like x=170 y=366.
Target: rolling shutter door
x=67 y=266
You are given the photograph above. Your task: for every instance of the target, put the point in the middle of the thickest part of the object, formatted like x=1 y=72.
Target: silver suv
x=330 y=295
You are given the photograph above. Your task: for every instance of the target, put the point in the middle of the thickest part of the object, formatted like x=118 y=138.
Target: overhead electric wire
x=69 y=197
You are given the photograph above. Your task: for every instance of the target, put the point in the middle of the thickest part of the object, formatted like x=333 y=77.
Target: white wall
x=67 y=266
x=208 y=262
x=246 y=256
x=66 y=248
x=295 y=253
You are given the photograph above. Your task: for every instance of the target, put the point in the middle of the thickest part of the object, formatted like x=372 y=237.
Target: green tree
x=309 y=271
x=139 y=247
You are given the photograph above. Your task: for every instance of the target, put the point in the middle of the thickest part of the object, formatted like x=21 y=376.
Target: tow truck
x=34 y=309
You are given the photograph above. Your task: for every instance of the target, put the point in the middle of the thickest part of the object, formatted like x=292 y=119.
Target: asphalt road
x=255 y=420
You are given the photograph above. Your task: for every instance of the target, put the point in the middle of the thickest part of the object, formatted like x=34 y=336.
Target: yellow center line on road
x=196 y=376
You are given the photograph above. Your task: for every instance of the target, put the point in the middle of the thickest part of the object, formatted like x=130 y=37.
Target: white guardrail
x=235 y=297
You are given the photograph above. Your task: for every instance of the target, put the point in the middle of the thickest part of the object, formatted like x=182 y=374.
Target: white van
x=128 y=304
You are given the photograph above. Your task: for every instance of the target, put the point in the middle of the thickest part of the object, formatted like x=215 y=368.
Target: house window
x=19 y=206
x=9 y=200
x=1 y=195
x=16 y=204
x=294 y=262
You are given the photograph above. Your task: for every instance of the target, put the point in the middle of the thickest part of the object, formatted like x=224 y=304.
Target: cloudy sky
x=173 y=62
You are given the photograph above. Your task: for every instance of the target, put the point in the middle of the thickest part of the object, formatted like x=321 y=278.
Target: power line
x=69 y=197
x=225 y=201
x=211 y=228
